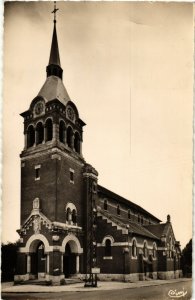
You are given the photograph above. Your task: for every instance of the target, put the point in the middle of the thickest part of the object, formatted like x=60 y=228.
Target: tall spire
x=54 y=67
x=54 y=53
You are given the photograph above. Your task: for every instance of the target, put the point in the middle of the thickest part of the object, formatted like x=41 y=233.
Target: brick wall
x=134 y=213
x=44 y=188
x=67 y=191
x=111 y=266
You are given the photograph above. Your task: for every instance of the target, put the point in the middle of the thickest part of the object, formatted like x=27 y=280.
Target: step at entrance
x=73 y=280
x=33 y=282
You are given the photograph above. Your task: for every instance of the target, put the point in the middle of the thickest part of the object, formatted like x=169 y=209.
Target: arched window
x=134 y=248
x=118 y=210
x=74 y=216
x=68 y=215
x=77 y=142
x=142 y=220
x=71 y=213
x=62 y=132
x=145 y=250
x=138 y=217
x=105 y=204
x=129 y=214
x=69 y=137
x=30 y=136
x=154 y=250
x=40 y=133
x=170 y=247
x=49 y=130
x=108 y=249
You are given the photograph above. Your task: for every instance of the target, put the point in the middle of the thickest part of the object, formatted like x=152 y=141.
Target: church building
x=70 y=226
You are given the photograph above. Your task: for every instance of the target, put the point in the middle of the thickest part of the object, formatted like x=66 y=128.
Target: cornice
x=51 y=151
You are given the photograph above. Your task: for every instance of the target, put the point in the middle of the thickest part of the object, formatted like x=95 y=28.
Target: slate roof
x=132 y=227
x=107 y=193
x=54 y=53
x=54 y=88
x=158 y=229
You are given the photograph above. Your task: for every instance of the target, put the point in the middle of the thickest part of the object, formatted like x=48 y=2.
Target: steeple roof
x=53 y=87
x=54 y=53
x=54 y=67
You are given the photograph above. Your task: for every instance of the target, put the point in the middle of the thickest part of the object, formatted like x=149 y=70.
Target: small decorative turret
x=168 y=218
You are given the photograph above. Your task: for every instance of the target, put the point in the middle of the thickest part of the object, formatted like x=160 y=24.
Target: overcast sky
x=128 y=67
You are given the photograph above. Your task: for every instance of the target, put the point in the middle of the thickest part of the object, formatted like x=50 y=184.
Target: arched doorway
x=37 y=265
x=69 y=261
x=71 y=252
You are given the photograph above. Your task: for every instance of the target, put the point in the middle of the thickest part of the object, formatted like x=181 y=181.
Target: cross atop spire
x=54 y=12
x=54 y=67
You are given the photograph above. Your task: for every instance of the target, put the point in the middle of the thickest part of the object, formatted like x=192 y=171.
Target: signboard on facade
x=95 y=270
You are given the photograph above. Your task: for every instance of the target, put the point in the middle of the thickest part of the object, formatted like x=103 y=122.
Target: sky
x=128 y=67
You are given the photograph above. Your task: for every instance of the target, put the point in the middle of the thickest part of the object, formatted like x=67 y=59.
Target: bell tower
x=52 y=158
x=56 y=183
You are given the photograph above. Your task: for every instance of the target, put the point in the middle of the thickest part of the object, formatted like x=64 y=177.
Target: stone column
x=55 y=131
x=65 y=137
x=28 y=267
x=56 y=267
x=36 y=137
x=45 y=134
x=72 y=141
x=77 y=263
x=47 y=267
x=70 y=217
x=62 y=263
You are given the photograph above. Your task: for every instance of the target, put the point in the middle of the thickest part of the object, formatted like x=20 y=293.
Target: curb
x=107 y=287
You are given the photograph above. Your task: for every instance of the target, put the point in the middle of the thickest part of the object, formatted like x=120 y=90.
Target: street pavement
x=79 y=287
x=161 y=290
